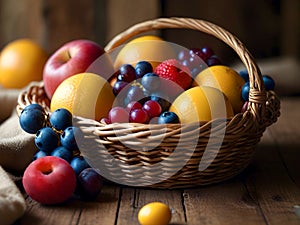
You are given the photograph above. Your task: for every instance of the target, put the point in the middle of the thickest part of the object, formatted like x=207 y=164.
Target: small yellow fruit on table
x=155 y=213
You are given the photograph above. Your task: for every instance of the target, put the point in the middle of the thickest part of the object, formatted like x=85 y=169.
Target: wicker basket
x=175 y=155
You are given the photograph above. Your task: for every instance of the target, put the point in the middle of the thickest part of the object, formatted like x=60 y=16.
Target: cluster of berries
x=197 y=59
x=268 y=81
x=145 y=94
x=55 y=136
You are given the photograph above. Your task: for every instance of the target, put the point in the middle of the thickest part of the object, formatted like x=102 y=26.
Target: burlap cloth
x=16 y=151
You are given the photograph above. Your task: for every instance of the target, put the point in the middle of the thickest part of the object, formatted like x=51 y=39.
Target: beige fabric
x=8 y=100
x=12 y=203
x=16 y=151
x=16 y=146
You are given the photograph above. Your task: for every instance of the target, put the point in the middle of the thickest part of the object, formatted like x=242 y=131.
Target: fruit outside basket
x=176 y=155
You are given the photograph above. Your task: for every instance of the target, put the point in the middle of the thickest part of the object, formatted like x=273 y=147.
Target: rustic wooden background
x=268 y=28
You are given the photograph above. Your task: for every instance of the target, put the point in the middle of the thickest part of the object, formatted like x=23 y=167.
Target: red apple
x=75 y=57
x=49 y=180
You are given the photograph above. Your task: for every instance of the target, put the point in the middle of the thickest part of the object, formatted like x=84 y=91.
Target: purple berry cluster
x=196 y=59
x=55 y=136
x=140 y=96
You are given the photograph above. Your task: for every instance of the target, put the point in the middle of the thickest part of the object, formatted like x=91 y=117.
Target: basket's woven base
x=176 y=162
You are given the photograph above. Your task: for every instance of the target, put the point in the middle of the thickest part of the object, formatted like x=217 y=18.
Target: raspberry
x=172 y=70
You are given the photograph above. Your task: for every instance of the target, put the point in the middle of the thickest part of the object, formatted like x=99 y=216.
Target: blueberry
x=168 y=117
x=63 y=153
x=142 y=68
x=151 y=82
x=244 y=74
x=69 y=137
x=245 y=91
x=90 y=183
x=46 y=139
x=268 y=82
x=78 y=164
x=61 y=118
x=40 y=154
x=164 y=103
x=32 y=118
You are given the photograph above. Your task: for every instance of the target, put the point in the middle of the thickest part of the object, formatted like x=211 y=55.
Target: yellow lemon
x=149 y=48
x=21 y=61
x=201 y=103
x=225 y=79
x=86 y=94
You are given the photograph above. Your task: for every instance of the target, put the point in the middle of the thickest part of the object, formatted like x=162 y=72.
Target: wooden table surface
x=267 y=192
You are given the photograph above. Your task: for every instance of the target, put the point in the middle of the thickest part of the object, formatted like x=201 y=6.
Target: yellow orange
x=149 y=48
x=86 y=94
x=201 y=103
x=21 y=61
x=225 y=79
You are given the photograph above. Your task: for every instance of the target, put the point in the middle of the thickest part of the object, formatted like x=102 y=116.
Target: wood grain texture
x=68 y=20
x=122 y=14
x=21 y=19
x=226 y=203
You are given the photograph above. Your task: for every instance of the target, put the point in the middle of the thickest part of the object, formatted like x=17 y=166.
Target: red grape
x=153 y=108
x=139 y=116
x=133 y=105
x=118 y=115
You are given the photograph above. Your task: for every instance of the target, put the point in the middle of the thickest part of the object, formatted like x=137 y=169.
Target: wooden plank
x=134 y=199
x=290 y=28
x=225 y=203
x=68 y=20
x=38 y=214
x=270 y=180
x=75 y=212
x=121 y=14
x=21 y=19
x=102 y=211
x=286 y=134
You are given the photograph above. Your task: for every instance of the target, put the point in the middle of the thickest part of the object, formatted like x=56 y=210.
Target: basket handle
x=257 y=94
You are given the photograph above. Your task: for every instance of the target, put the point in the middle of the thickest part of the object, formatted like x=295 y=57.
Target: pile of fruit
x=139 y=86
x=58 y=162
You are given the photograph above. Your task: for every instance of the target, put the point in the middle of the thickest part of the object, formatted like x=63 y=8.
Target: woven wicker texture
x=176 y=155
